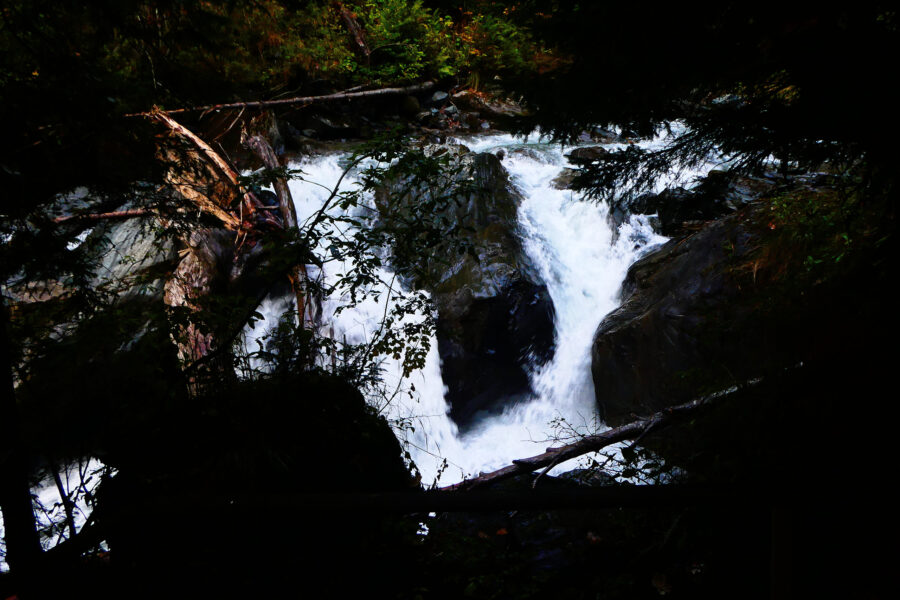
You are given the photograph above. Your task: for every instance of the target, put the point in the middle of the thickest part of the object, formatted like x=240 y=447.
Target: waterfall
x=580 y=259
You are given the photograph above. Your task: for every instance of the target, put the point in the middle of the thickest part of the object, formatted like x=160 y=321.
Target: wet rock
x=681 y=211
x=131 y=256
x=445 y=149
x=586 y=155
x=439 y=97
x=671 y=322
x=490 y=106
x=328 y=127
x=604 y=136
x=730 y=300
x=486 y=343
x=469 y=119
x=563 y=181
x=706 y=311
x=529 y=153
x=495 y=317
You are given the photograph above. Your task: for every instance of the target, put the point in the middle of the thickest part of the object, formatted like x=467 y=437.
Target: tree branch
x=204 y=148
x=411 y=89
x=355 y=30
x=68 y=505
x=592 y=443
x=118 y=214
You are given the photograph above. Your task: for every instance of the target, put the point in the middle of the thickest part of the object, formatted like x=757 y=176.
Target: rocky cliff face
x=670 y=322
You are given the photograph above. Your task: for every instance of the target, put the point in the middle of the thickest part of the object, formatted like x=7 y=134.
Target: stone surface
x=131 y=256
x=681 y=211
x=586 y=154
x=682 y=312
x=717 y=307
x=495 y=316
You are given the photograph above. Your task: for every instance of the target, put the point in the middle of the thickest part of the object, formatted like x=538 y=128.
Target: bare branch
x=592 y=443
x=261 y=104
x=118 y=214
x=355 y=30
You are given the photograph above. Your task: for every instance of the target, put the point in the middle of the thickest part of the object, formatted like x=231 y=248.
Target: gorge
x=427 y=299
x=572 y=249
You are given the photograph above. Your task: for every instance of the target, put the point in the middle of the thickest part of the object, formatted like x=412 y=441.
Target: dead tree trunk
x=206 y=180
x=355 y=30
x=23 y=546
x=199 y=273
x=200 y=174
x=220 y=259
x=298 y=276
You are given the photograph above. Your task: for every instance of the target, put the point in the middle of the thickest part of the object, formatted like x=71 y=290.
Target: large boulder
x=585 y=155
x=132 y=257
x=769 y=287
x=663 y=328
x=495 y=316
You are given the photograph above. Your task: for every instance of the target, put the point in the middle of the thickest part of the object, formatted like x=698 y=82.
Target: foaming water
x=583 y=263
x=414 y=405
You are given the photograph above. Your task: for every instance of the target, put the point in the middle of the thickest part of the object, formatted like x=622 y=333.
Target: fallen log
x=592 y=443
x=206 y=180
x=262 y=104
x=212 y=184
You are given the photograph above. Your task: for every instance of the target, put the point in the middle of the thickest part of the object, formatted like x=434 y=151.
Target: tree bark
x=23 y=545
x=201 y=175
x=206 y=180
x=355 y=30
x=196 y=276
x=216 y=261
x=261 y=147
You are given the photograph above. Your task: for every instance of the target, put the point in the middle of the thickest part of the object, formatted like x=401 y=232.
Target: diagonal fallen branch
x=118 y=214
x=592 y=443
x=210 y=184
x=355 y=30
x=261 y=104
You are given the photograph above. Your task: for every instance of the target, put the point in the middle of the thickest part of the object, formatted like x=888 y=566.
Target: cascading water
x=579 y=258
